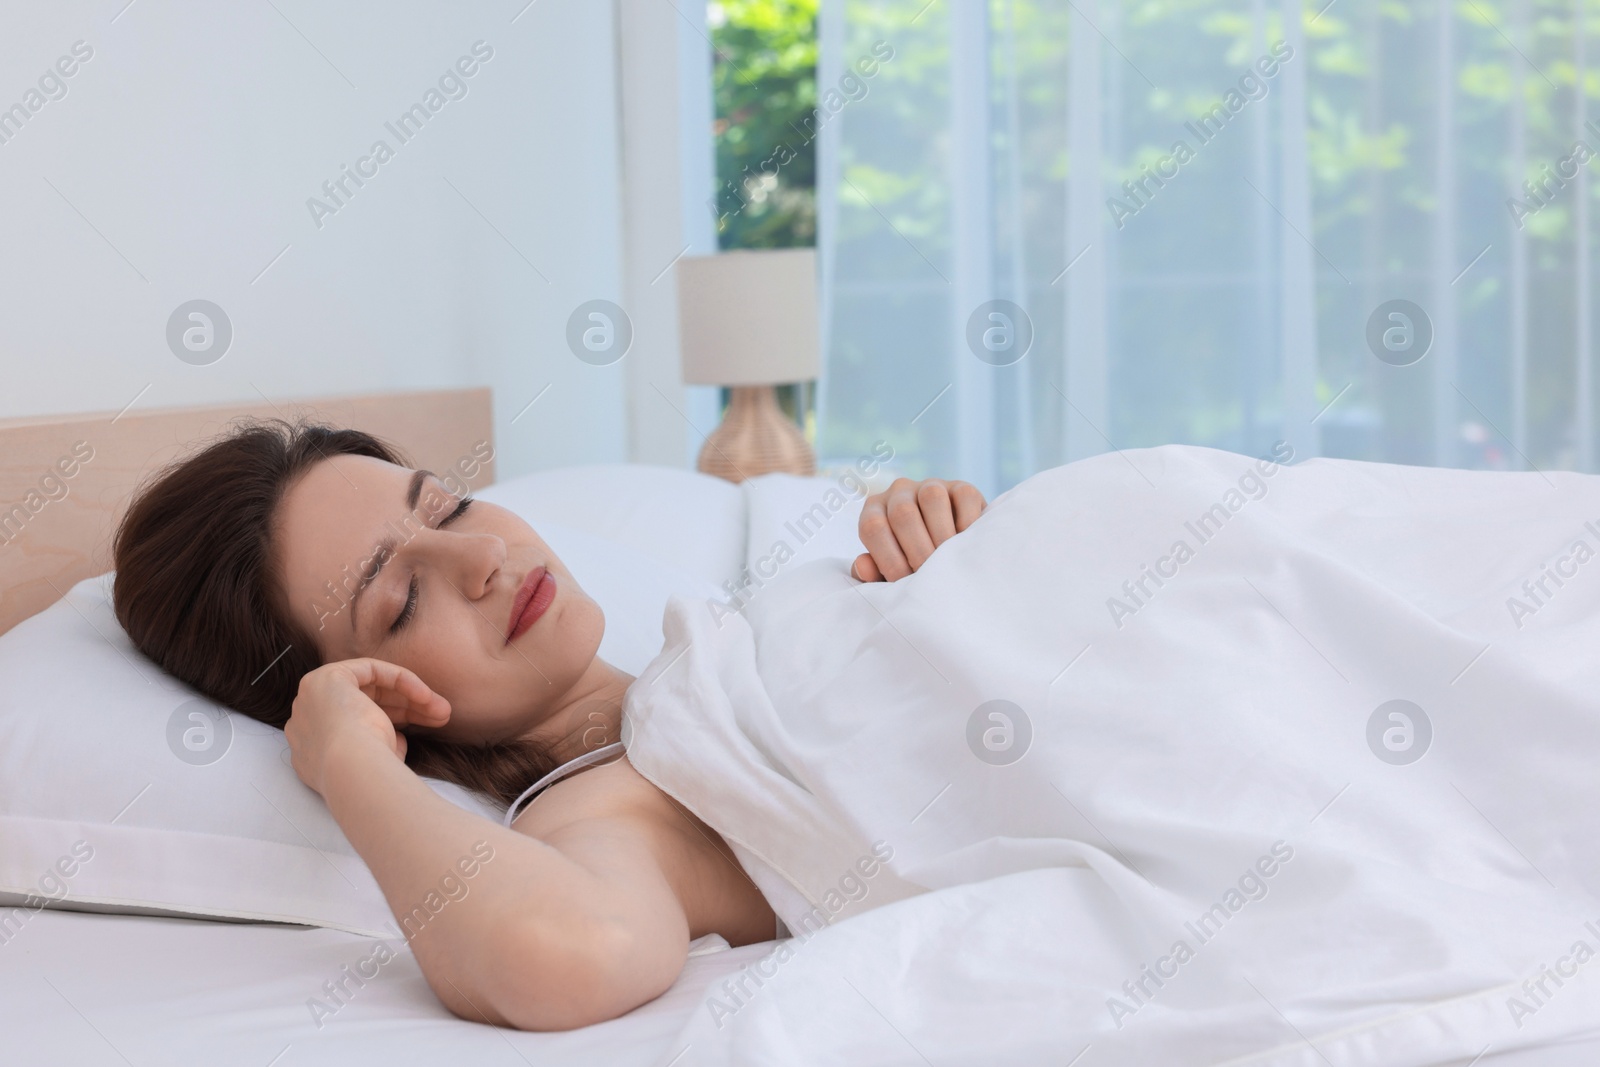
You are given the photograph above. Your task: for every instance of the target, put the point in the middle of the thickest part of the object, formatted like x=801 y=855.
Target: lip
x=533 y=597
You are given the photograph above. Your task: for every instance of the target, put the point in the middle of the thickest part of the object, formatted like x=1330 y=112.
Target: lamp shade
x=748 y=317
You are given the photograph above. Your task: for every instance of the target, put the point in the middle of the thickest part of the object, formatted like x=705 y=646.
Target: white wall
x=191 y=142
x=668 y=177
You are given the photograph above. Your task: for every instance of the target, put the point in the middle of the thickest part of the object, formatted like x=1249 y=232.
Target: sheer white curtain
x=1202 y=220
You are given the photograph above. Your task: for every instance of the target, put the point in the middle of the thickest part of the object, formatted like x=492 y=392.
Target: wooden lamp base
x=756 y=437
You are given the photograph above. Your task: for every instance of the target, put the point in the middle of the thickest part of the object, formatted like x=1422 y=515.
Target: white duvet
x=1174 y=757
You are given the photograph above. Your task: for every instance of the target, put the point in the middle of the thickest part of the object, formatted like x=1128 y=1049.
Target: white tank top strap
x=572 y=766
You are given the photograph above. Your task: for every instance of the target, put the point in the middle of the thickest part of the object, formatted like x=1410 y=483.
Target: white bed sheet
x=89 y=989
x=1017 y=901
x=1583 y=1053
x=85 y=989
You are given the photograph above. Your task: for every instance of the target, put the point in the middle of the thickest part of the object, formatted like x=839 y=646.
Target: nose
x=469 y=561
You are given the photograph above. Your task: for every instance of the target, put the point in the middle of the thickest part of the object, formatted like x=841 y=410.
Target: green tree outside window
x=764 y=85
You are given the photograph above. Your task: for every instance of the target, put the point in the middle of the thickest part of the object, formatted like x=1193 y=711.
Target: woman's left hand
x=902 y=525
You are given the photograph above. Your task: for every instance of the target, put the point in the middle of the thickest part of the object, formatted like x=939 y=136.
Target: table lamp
x=748 y=320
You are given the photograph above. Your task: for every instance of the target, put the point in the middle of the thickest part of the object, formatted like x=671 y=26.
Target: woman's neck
x=588 y=716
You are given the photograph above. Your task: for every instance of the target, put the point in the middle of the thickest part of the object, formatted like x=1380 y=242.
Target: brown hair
x=196 y=589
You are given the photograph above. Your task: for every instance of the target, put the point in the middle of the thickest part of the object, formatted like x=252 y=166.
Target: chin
x=568 y=645
x=555 y=661
x=583 y=626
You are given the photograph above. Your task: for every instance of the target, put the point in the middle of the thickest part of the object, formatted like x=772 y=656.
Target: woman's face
x=380 y=561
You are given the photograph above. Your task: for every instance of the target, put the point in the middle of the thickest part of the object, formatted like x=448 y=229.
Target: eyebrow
x=386 y=547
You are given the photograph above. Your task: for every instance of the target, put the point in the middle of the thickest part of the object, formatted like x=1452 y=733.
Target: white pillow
x=91 y=732
x=690 y=521
x=794 y=520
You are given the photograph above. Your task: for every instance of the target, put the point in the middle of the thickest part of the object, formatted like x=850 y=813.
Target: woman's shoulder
x=614 y=820
x=610 y=790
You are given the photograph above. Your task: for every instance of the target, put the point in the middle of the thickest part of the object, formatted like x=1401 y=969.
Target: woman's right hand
x=356 y=701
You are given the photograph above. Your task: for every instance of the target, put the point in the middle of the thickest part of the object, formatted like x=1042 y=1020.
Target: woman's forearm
x=513 y=940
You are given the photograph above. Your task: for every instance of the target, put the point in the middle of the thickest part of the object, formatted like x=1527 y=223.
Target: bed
x=91 y=978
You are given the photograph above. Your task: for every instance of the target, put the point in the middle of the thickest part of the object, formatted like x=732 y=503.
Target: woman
x=463 y=649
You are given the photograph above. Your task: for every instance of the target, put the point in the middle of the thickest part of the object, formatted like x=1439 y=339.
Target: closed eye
x=410 y=609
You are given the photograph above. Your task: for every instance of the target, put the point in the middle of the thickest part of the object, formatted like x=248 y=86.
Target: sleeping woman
x=467 y=653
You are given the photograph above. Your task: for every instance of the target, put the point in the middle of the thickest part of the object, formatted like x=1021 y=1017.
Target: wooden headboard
x=56 y=526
